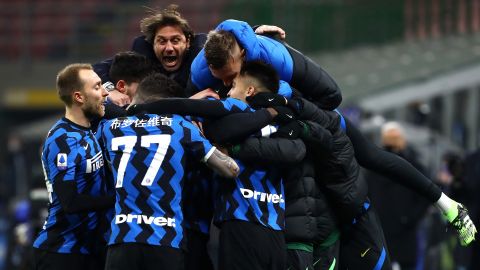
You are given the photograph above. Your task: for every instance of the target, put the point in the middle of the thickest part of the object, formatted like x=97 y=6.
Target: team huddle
x=234 y=129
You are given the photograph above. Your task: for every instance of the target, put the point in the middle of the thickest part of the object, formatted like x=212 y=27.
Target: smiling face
x=170 y=45
x=93 y=94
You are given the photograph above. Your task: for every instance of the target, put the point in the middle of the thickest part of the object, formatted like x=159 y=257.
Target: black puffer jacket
x=308 y=216
x=336 y=165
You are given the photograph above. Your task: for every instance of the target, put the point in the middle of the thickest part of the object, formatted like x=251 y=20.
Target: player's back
x=147 y=154
x=256 y=195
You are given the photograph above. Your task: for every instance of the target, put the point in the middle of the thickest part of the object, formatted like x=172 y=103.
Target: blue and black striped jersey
x=257 y=195
x=70 y=153
x=198 y=198
x=147 y=155
x=234 y=105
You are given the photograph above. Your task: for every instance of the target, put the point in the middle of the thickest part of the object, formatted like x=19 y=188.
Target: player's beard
x=93 y=111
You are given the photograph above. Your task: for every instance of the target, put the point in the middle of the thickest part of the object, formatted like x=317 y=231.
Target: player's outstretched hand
x=292 y=130
x=209 y=92
x=265 y=100
x=118 y=98
x=270 y=30
x=284 y=115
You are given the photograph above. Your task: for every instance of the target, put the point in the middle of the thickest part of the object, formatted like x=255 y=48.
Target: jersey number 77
x=163 y=141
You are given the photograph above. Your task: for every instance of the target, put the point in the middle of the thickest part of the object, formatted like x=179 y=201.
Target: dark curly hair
x=157 y=86
x=130 y=67
x=166 y=17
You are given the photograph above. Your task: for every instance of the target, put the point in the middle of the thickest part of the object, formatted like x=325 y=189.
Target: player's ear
x=242 y=52
x=188 y=42
x=78 y=97
x=251 y=91
x=242 y=55
x=120 y=86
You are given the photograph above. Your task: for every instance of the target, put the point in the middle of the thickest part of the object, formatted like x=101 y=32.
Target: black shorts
x=132 y=256
x=197 y=257
x=363 y=245
x=246 y=245
x=47 y=260
x=298 y=259
x=326 y=258
x=321 y=258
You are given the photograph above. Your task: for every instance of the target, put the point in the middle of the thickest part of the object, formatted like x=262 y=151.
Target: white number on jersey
x=163 y=141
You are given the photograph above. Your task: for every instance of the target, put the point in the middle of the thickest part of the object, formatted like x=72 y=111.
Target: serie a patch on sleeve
x=62 y=161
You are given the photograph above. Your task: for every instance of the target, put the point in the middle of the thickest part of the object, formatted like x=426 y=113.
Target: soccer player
x=251 y=212
x=73 y=167
x=309 y=219
x=147 y=154
x=127 y=70
x=338 y=173
x=234 y=41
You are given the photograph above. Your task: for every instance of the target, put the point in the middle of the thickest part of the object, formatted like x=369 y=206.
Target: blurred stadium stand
x=387 y=79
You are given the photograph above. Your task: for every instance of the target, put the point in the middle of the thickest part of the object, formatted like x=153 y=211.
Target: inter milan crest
x=62 y=161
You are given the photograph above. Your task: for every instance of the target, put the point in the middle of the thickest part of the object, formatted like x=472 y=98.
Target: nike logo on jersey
x=270 y=99
x=261 y=196
x=364 y=253
x=85 y=146
x=290 y=133
x=139 y=219
x=289 y=116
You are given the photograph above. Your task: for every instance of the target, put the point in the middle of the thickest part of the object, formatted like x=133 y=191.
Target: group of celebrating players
x=137 y=172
